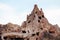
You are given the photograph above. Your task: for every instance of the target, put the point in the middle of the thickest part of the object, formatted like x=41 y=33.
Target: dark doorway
x=7 y=38
x=17 y=38
x=0 y=38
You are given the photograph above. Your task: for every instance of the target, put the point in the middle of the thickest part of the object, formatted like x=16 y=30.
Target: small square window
x=18 y=38
x=23 y=31
x=37 y=33
x=39 y=17
x=33 y=34
x=36 y=38
x=43 y=16
x=36 y=12
x=51 y=31
x=41 y=28
x=5 y=38
x=38 y=20
x=29 y=21
x=0 y=38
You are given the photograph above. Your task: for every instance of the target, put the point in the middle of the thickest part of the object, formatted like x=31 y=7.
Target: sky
x=16 y=11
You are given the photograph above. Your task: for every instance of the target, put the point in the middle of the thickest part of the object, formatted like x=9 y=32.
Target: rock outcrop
x=36 y=27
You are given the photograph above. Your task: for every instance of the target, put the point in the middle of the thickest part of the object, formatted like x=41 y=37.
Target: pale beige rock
x=36 y=27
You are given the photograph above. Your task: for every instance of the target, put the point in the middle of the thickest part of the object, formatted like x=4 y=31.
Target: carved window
x=51 y=31
x=36 y=38
x=38 y=20
x=29 y=21
x=23 y=31
x=0 y=38
x=17 y=38
x=39 y=17
x=5 y=38
x=41 y=28
x=37 y=33
x=33 y=34
x=36 y=12
x=43 y=16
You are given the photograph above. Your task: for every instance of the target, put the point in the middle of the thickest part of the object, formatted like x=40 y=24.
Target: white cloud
x=9 y=14
x=21 y=17
x=53 y=15
x=6 y=13
x=5 y=7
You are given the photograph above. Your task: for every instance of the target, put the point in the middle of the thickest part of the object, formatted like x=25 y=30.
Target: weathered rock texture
x=36 y=27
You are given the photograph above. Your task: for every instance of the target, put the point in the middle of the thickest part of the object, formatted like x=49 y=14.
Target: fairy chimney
x=36 y=27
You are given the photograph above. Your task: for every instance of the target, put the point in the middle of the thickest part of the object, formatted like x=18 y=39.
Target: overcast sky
x=15 y=11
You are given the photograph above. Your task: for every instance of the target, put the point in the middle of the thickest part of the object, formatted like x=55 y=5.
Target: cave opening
x=9 y=38
x=0 y=38
x=17 y=38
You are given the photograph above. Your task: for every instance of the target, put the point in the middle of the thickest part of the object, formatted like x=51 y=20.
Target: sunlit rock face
x=36 y=27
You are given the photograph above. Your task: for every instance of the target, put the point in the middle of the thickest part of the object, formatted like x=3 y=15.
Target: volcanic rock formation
x=36 y=27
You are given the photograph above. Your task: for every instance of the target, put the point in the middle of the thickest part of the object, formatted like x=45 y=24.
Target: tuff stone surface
x=36 y=27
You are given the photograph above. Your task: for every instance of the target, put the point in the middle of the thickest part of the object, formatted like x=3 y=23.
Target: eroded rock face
x=36 y=27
